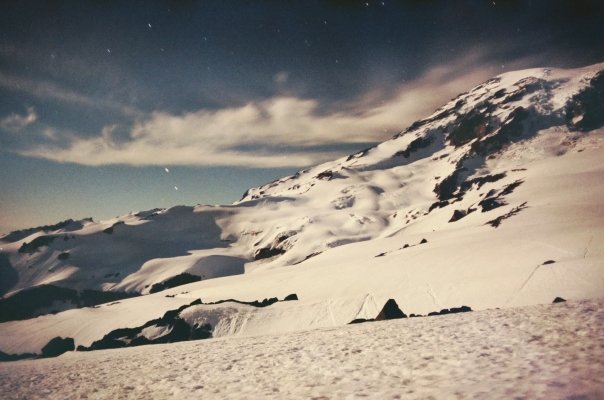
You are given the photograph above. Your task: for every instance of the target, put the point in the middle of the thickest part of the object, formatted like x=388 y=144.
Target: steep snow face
x=478 y=141
x=492 y=201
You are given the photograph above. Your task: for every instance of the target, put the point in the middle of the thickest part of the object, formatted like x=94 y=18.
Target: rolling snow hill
x=495 y=200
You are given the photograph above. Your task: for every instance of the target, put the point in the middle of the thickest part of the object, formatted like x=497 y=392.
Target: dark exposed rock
x=309 y=256
x=460 y=309
x=285 y=236
x=177 y=280
x=438 y=204
x=176 y=329
x=448 y=186
x=457 y=215
x=390 y=311
x=35 y=244
x=491 y=203
x=559 y=300
x=586 y=109
x=511 y=129
x=495 y=200
x=360 y=321
x=63 y=256
x=511 y=187
x=497 y=221
x=255 y=303
x=58 y=346
x=481 y=180
x=17 y=357
x=472 y=125
x=423 y=241
x=548 y=262
x=268 y=252
x=380 y=255
x=201 y=332
x=359 y=154
x=325 y=175
x=453 y=310
x=525 y=86
x=90 y=297
x=414 y=146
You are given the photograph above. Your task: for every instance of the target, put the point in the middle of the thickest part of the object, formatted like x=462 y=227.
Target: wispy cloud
x=16 y=122
x=265 y=133
x=50 y=91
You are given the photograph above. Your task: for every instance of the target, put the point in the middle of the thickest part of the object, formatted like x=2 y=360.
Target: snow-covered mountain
x=495 y=200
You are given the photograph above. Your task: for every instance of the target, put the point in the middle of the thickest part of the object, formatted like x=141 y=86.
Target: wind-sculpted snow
x=538 y=352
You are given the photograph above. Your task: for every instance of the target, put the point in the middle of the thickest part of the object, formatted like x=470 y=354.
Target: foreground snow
x=546 y=351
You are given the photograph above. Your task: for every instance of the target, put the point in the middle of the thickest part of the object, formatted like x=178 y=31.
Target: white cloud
x=16 y=122
x=262 y=134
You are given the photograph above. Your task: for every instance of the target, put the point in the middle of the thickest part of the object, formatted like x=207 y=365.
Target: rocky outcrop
x=390 y=311
x=58 y=346
x=586 y=109
x=169 y=328
x=177 y=280
x=559 y=300
x=268 y=252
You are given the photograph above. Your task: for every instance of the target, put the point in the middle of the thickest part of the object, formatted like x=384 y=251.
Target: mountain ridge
x=462 y=207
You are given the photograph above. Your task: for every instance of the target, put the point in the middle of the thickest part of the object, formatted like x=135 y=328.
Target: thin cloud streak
x=16 y=122
x=49 y=91
x=263 y=134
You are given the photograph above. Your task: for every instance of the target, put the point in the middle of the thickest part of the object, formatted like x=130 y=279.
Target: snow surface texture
x=504 y=183
x=536 y=352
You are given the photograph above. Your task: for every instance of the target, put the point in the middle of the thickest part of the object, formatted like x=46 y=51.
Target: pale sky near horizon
x=108 y=106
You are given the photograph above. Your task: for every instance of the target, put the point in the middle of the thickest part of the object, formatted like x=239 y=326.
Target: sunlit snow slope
x=503 y=185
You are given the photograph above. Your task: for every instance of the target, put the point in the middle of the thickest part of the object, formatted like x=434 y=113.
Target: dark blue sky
x=98 y=97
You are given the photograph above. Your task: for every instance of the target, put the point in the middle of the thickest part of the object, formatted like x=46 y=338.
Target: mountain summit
x=492 y=201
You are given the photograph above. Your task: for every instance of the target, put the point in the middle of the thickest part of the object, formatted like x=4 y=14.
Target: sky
x=108 y=107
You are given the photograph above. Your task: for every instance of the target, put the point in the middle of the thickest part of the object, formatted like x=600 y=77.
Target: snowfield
x=537 y=352
x=493 y=202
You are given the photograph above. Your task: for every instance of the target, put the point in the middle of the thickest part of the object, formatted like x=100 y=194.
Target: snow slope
x=504 y=183
x=537 y=352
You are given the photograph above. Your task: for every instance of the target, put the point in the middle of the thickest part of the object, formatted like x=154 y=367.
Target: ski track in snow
x=547 y=352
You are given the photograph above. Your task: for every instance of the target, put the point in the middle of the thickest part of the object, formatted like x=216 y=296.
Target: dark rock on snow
x=177 y=280
x=268 y=252
x=390 y=311
x=558 y=300
x=58 y=346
